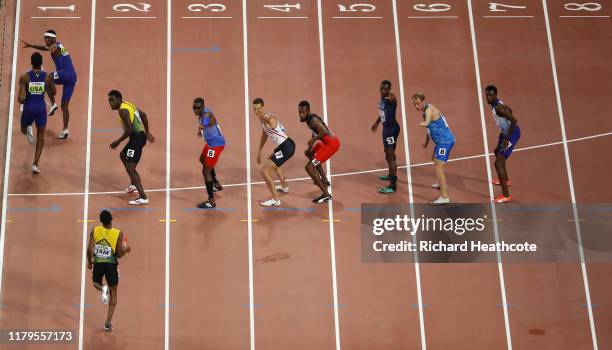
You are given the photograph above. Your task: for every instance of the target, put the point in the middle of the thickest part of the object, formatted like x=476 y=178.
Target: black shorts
x=389 y=136
x=106 y=269
x=283 y=152
x=133 y=150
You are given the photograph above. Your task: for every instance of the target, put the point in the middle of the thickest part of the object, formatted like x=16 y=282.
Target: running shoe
x=322 y=199
x=207 y=205
x=130 y=189
x=30 y=134
x=498 y=183
x=271 y=203
x=435 y=185
x=384 y=177
x=53 y=109
x=282 y=189
x=105 y=296
x=35 y=169
x=108 y=327
x=385 y=190
x=217 y=186
x=502 y=199
x=139 y=201
x=441 y=201
x=63 y=135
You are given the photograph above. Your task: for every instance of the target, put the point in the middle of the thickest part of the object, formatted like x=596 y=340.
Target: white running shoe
x=139 y=201
x=63 y=135
x=105 y=296
x=282 y=189
x=35 y=169
x=271 y=203
x=440 y=201
x=30 y=134
x=436 y=186
x=52 y=109
x=130 y=189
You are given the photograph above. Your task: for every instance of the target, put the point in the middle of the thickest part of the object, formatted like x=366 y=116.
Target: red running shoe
x=502 y=199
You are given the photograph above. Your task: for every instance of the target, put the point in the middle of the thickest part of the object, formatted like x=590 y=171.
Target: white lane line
x=433 y=17
x=55 y=17
x=570 y=178
x=131 y=17
x=357 y=17
x=508 y=16
x=9 y=140
x=332 y=242
x=359 y=172
x=282 y=17
x=85 y=233
x=207 y=17
x=168 y=168
x=584 y=16
x=500 y=268
x=247 y=135
x=417 y=267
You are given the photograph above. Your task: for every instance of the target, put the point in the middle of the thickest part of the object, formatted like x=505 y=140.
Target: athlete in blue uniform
x=208 y=129
x=64 y=74
x=391 y=129
x=508 y=137
x=32 y=88
x=441 y=134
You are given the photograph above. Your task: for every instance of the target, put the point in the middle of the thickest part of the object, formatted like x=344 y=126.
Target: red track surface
x=293 y=259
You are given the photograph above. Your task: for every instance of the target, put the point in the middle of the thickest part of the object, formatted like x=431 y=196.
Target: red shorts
x=211 y=155
x=325 y=149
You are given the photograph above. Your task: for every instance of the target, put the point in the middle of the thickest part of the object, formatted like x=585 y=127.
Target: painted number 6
x=432 y=7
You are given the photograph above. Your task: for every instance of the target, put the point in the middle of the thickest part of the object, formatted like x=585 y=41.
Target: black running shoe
x=322 y=199
x=207 y=205
x=108 y=327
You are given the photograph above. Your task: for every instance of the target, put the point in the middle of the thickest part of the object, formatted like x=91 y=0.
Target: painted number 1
x=46 y=8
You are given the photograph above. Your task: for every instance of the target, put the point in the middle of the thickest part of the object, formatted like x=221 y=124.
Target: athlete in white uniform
x=285 y=148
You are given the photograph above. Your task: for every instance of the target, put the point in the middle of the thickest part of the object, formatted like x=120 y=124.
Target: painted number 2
x=129 y=7
x=357 y=7
x=432 y=7
x=587 y=6
x=203 y=7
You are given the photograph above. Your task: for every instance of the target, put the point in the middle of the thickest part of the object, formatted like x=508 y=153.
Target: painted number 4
x=587 y=6
x=283 y=8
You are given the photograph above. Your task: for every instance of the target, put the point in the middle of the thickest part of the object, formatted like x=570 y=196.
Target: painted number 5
x=587 y=6
x=432 y=7
x=357 y=7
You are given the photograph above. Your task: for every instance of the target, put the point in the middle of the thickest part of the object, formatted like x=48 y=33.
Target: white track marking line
x=207 y=17
x=570 y=177
x=168 y=168
x=55 y=17
x=9 y=139
x=417 y=267
x=332 y=242
x=87 y=171
x=247 y=108
x=359 y=172
x=500 y=268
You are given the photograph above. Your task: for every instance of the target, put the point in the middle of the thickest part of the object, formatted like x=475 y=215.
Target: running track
x=244 y=277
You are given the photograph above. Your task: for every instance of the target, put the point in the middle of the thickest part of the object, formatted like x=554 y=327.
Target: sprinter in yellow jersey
x=135 y=126
x=106 y=246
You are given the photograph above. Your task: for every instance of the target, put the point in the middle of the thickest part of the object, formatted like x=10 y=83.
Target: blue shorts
x=34 y=114
x=389 y=136
x=68 y=78
x=512 y=141
x=442 y=151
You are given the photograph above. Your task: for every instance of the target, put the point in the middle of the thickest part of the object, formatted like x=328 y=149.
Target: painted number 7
x=495 y=7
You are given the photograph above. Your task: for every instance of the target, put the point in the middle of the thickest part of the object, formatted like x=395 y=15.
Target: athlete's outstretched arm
x=37 y=47
x=145 y=122
x=22 y=89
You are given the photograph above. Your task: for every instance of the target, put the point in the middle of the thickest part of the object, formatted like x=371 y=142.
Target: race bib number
x=315 y=162
x=391 y=140
x=102 y=251
x=63 y=50
x=211 y=153
x=130 y=153
x=55 y=75
x=36 y=88
x=442 y=152
x=278 y=154
x=381 y=115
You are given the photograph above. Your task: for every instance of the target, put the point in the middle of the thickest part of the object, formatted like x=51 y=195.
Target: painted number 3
x=587 y=6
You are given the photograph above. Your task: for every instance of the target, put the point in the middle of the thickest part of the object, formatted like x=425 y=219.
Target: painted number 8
x=587 y=6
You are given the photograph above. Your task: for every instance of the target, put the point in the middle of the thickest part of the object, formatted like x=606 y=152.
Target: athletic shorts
x=283 y=152
x=108 y=270
x=512 y=141
x=34 y=114
x=68 y=78
x=325 y=149
x=389 y=136
x=211 y=155
x=133 y=150
x=442 y=151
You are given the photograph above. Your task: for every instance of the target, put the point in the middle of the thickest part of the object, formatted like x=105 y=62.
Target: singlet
x=502 y=123
x=35 y=93
x=439 y=131
x=137 y=125
x=311 y=117
x=63 y=60
x=105 y=244
x=211 y=133
x=277 y=135
x=386 y=112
